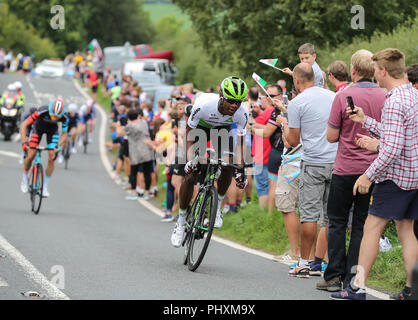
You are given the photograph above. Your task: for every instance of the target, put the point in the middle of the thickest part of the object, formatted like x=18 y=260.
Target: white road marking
x=31 y=272
x=9 y=154
x=33 y=89
x=3 y=283
x=160 y=213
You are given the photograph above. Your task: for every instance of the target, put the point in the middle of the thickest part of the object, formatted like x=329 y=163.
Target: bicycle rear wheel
x=202 y=228
x=36 y=186
x=67 y=152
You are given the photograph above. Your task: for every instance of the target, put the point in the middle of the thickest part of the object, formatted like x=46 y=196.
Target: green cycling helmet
x=234 y=88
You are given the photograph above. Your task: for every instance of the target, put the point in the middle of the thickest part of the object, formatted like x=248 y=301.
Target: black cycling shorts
x=124 y=149
x=52 y=136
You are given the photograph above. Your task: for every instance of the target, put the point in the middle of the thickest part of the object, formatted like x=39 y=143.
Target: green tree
x=15 y=35
x=111 y=22
x=240 y=32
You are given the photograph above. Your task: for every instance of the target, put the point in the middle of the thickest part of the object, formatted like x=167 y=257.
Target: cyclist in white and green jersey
x=211 y=118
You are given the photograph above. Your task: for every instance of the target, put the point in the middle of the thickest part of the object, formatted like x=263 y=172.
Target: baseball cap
x=185 y=98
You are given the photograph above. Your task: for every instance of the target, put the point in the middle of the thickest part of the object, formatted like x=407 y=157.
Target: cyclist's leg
x=52 y=140
x=34 y=139
x=73 y=132
x=186 y=190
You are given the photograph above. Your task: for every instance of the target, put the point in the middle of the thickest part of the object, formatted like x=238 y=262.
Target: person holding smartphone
x=350 y=162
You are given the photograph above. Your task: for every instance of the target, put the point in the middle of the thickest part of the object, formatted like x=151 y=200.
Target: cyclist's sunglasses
x=54 y=117
x=233 y=101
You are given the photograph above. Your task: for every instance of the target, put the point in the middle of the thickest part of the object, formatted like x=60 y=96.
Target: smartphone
x=285 y=99
x=350 y=104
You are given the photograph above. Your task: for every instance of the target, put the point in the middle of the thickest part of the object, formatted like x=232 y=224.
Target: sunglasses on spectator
x=233 y=101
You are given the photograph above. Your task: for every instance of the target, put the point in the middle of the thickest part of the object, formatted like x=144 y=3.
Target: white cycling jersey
x=205 y=114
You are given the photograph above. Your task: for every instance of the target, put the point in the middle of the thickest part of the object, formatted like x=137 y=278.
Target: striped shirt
x=398 y=133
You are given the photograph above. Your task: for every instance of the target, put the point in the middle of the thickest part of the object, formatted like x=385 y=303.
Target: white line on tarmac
x=9 y=154
x=33 y=89
x=160 y=213
x=3 y=283
x=31 y=272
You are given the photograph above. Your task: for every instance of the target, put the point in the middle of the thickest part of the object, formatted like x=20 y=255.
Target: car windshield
x=146 y=79
x=52 y=63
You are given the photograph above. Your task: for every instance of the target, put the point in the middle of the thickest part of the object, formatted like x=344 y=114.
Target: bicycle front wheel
x=202 y=228
x=36 y=186
x=86 y=138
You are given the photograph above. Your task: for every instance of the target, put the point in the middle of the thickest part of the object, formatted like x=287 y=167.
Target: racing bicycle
x=36 y=181
x=201 y=215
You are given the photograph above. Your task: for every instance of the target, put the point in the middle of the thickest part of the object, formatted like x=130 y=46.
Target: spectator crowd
x=10 y=63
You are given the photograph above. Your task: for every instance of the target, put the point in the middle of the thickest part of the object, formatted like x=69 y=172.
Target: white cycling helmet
x=18 y=85
x=89 y=103
x=72 y=107
x=11 y=87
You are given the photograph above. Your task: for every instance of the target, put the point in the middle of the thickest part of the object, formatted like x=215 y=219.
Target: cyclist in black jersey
x=44 y=121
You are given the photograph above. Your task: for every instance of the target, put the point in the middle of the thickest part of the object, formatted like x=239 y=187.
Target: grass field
x=160 y=10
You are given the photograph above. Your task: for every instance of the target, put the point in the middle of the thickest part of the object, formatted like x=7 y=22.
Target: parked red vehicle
x=144 y=51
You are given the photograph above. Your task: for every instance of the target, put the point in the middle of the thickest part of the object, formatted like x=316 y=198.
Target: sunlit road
x=92 y=244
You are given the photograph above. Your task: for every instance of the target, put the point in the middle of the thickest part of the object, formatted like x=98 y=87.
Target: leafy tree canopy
x=240 y=32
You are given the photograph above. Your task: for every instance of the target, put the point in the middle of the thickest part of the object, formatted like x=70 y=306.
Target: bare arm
x=333 y=134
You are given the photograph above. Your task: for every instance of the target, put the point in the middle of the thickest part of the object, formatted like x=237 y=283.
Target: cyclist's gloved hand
x=190 y=166
x=241 y=180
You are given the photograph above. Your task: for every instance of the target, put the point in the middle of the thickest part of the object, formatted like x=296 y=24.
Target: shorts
x=94 y=89
x=275 y=159
x=287 y=196
x=84 y=119
x=52 y=136
x=314 y=187
x=261 y=179
x=124 y=149
x=388 y=201
x=72 y=124
x=178 y=170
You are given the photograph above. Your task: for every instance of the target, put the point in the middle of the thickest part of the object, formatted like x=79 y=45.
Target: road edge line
x=159 y=212
x=31 y=272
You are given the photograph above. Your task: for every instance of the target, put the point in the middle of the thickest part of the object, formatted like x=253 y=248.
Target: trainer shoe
x=24 y=185
x=287 y=257
x=131 y=197
x=45 y=192
x=300 y=272
x=400 y=296
x=349 y=294
x=177 y=235
x=60 y=158
x=167 y=218
x=332 y=285
x=73 y=150
x=316 y=270
x=219 y=219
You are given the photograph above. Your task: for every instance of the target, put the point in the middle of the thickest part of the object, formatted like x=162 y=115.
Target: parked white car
x=50 y=68
x=161 y=67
